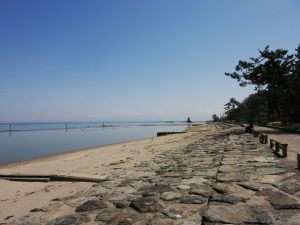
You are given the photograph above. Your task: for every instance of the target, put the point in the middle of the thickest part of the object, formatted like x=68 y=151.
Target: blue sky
x=68 y=60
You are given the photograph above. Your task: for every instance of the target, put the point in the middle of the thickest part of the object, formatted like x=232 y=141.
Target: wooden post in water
x=10 y=129
x=298 y=160
x=66 y=127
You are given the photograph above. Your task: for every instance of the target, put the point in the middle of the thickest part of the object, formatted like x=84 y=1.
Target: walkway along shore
x=223 y=176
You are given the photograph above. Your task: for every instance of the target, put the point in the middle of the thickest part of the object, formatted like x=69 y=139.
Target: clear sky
x=93 y=60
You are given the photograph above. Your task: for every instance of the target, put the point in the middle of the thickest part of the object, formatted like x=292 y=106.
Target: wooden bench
x=263 y=138
x=278 y=147
x=255 y=133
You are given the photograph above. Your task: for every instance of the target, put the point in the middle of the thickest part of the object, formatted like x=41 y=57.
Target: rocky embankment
x=225 y=177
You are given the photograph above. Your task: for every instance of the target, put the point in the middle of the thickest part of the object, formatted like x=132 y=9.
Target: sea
x=26 y=141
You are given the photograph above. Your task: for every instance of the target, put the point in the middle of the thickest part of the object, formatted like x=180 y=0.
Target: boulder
x=69 y=220
x=237 y=214
x=91 y=205
x=145 y=205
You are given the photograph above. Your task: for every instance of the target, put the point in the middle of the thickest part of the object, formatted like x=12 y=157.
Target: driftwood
x=27 y=179
x=167 y=133
x=47 y=178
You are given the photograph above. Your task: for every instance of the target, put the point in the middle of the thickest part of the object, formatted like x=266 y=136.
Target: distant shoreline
x=88 y=125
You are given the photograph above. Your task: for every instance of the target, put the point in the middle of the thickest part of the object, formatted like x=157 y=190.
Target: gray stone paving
x=224 y=178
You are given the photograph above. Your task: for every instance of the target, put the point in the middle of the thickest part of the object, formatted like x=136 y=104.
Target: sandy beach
x=18 y=198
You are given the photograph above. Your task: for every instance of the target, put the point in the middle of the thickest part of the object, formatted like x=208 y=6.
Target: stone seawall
x=225 y=177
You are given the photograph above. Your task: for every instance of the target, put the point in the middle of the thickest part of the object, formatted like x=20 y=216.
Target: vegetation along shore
x=275 y=76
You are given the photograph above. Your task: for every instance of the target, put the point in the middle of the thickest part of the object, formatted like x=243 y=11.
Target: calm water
x=33 y=140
